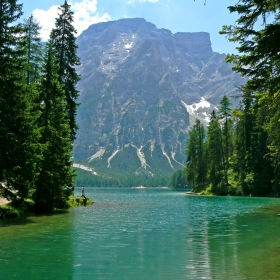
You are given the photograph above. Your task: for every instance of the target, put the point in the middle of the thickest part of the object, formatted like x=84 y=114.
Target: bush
x=207 y=191
x=8 y=211
x=76 y=201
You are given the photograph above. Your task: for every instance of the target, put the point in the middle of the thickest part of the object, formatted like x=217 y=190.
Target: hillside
x=141 y=89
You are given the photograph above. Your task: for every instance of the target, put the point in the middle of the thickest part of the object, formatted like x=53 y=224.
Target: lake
x=147 y=234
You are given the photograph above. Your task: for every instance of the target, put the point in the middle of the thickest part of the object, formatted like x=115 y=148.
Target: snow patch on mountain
x=98 y=154
x=128 y=46
x=83 y=167
x=173 y=157
x=152 y=148
x=194 y=107
x=200 y=110
x=110 y=158
x=141 y=156
x=166 y=155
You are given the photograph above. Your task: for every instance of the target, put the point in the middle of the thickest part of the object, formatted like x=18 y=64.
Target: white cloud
x=46 y=20
x=85 y=14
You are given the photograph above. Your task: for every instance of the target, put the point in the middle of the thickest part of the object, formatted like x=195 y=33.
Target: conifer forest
x=38 y=102
x=239 y=152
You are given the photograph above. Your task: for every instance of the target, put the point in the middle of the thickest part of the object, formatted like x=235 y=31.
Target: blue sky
x=175 y=15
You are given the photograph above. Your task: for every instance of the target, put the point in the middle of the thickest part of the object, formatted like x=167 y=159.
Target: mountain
x=141 y=89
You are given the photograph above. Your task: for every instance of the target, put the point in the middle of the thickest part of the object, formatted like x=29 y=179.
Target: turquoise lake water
x=147 y=234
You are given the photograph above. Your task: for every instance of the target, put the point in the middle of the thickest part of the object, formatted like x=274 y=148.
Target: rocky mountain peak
x=141 y=90
x=194 y=43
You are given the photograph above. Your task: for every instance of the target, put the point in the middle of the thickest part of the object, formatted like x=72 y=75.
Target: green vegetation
x=37 y=111
x=63 y=39
x=179 y=180
x=17 y=209
x=76 y=201
x=231 y=156
x=127 y=180
x=240 y=153
x=28 y=207
x=125 y=169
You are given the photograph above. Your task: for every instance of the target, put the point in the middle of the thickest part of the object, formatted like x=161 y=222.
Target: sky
x=174 y=15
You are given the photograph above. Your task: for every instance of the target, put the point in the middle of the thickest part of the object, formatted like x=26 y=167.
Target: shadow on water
x=38 y=247
x=29 y=219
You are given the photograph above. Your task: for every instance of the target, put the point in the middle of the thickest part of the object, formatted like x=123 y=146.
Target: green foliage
x=215 y=164
x=34 y=50
x=76 y=201
x=63 y=39
x=128 y=180
x=56 y=172
x=35 y=131
x=251 y=168
x=8 y=211
x=17 y=209
x=207 y=191
x=224 y=115
x=259 y=49
x=19 y=133
x=195 y=162
x=178 y=179
x=250 y=140
x=256 y=156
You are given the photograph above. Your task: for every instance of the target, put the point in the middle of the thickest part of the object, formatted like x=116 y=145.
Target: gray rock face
x=140 y=90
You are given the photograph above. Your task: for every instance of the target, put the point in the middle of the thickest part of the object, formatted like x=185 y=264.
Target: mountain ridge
x=141 y=90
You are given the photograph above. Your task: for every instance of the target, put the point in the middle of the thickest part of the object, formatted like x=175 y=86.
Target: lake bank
x=26 y=209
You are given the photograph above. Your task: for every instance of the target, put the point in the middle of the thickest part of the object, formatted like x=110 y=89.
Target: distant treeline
x=88 y=179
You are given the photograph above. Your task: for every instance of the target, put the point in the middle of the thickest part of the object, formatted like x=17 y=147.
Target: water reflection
x=146 y=234
x=234 y=245
x=37 y=248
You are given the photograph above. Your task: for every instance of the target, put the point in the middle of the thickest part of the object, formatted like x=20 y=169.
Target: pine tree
x=195 y=162
x=215 y=153
x=34 y=50
x=63 y=39
x=224 y=115
x=258 y=56
x=259 y=60
x=19 y=135
x=178 y=179
x=56 y=172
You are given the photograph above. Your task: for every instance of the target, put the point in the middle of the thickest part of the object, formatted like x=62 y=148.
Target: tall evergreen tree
x=195 y=162
x=56 y=172
x=244 y=122
x=215 y=153
x=19 y=148
x=178 y=179
x=63 y=39
x=224 y=114
x=258 y=56
x=260 y=177
x=259 y=60
x=34 y=50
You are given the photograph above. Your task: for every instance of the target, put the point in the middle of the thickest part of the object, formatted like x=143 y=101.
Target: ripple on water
x=147 y=234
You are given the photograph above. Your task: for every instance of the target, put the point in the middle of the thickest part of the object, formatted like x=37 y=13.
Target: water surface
x=147 y=234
